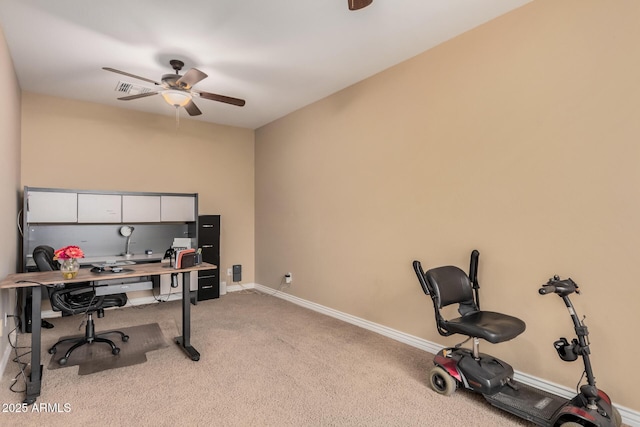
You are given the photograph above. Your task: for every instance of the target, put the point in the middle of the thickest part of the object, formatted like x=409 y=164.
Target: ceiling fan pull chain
x=177 y=117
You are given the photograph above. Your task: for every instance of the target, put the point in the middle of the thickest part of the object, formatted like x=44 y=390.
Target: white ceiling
x=278 y=55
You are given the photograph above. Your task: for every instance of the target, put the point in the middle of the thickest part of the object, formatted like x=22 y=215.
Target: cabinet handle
x=207 y=246
x=207 y=226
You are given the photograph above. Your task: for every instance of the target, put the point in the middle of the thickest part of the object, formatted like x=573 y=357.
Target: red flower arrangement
x=68 y=252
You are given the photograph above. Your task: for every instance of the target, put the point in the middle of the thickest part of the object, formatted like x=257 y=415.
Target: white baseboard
x=629 y=416
x=236 y=288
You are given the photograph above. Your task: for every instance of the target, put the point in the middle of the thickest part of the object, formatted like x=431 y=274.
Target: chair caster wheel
x=125 y=338
x=52 y=350
x=115 y=351
x=62 y=361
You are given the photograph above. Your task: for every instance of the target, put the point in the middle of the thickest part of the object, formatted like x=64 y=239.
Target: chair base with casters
x=90 y=337
x=82 y=299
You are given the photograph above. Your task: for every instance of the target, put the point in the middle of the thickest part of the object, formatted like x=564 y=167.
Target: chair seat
x=488 y=325
x=80 y=299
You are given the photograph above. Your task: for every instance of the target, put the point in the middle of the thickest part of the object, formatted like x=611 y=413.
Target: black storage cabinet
x=209 y=241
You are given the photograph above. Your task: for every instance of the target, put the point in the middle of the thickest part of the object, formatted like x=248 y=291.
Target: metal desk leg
x=35 y=378
x=185 y=340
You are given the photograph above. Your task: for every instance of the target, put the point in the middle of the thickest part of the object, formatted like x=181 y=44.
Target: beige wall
x=73 y=144
x=10 y=179
x=517 y=138
x=520 y=139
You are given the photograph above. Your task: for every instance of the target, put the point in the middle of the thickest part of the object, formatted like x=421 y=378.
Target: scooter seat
x=488 y=325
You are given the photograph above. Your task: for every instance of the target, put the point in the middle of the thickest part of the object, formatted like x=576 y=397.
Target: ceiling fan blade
x=222 y=98
x=359 y=4
x=192 y=109
x=140 y=95
x=124 y=73
x=190 y=78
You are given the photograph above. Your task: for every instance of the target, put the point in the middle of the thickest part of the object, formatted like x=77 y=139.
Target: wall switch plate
x=237 y=273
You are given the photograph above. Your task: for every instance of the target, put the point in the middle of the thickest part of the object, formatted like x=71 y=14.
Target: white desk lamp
x=127 y=231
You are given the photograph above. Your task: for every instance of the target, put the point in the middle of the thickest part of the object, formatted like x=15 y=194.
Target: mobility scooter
x=493 y=378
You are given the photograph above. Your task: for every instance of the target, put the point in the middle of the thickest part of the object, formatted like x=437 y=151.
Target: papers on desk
x=113 y=263
x=181 y=242
x=111 y=267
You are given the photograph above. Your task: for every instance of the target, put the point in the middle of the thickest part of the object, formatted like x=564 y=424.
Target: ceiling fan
x=358 y=4
x=177 y=90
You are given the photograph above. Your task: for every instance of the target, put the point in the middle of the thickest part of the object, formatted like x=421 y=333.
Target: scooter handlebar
x=547 y=289
x=560 y=287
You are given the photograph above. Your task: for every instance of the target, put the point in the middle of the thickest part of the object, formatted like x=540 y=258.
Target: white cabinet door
x=178 y=208
x=140 y=208
x=99 y=208
x=50 y=206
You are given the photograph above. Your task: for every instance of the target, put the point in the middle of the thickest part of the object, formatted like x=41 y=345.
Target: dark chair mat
x=96 y=357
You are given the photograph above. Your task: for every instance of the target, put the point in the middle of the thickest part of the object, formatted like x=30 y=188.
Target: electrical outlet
x=288 y=278
x=229 y=271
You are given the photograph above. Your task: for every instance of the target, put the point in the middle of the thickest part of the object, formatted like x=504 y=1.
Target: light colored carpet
x=264 y=362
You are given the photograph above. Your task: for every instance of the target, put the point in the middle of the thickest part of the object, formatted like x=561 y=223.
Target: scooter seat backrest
x=450 y=285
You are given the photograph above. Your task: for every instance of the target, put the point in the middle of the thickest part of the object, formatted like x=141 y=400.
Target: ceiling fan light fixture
x=176 y=89
x=176 y=98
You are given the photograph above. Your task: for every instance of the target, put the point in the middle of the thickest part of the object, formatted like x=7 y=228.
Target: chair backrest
x=43 y=257
x=446 y=285
x=450 y=285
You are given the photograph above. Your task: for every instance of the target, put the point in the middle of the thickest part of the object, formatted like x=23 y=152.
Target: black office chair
x=78 y=298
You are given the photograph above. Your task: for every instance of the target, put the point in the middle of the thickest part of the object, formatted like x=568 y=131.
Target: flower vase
x=69 y=268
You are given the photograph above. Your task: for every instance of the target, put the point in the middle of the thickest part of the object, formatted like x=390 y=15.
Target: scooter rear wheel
x=441 y=382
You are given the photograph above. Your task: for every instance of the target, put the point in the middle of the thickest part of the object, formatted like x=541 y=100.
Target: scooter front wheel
x=617 y=418
x=441 y=382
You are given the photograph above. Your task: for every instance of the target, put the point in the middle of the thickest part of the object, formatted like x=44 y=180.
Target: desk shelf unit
x=91 y=219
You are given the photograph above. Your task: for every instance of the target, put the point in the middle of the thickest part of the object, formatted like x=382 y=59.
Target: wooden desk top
x=22 y=280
